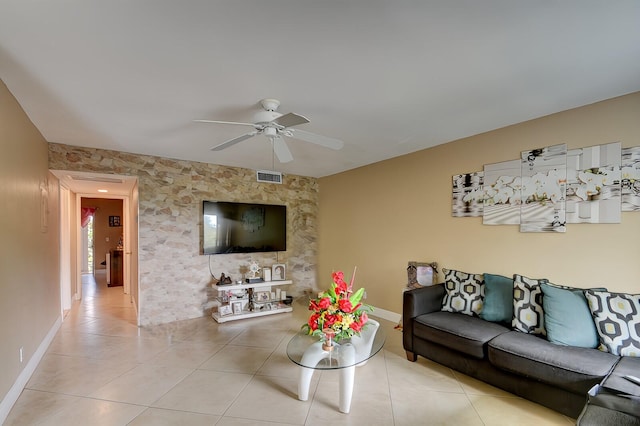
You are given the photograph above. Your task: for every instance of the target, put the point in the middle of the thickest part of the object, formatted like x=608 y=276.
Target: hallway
x=101 y=369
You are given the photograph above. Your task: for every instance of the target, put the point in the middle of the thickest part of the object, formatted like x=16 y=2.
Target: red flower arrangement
x=338 y=310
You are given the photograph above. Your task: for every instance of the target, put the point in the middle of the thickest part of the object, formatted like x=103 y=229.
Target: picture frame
x=421 y=274
x=225 y=310
x=262 y=296
x=278 y=272
x=237 y=308
x=114 y=221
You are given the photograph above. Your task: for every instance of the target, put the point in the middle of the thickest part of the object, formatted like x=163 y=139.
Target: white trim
x=384 y=314
x=18 y=386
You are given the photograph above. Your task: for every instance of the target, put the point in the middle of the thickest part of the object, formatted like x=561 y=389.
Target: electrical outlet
x=364 y=295
x=21 y=355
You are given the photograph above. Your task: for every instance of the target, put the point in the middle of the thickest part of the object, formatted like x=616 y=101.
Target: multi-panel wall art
x=550 y=187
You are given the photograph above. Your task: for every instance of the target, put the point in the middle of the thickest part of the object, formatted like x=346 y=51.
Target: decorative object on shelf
x=262 y=296
x=266 y=274
x=278 y=272
x=237 y=308
x=224 y=280
x=225 y=310
x=421 y=274
x=338 y=309
x=253 y=275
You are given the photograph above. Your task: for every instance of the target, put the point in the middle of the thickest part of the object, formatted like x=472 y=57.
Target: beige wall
x=400 y=210
x=29 y=253
x=174 y=276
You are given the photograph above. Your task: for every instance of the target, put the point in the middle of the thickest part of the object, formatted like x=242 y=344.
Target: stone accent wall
x=174 y=276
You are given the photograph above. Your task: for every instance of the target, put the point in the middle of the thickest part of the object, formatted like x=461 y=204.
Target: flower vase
x=327 y=344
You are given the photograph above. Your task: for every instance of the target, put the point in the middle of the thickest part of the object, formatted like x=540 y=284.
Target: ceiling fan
x=274 y=126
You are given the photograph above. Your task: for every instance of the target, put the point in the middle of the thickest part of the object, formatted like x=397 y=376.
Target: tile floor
x=103 y=370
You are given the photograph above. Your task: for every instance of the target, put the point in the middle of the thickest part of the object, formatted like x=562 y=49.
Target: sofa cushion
x=567 y=367
x=498 y=299
x=617 y=319
x=464 y=292
x=567 y=318
x=463 y=333
x=528 y=316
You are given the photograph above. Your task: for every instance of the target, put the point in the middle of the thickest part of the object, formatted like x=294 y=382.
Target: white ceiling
x=388 y=77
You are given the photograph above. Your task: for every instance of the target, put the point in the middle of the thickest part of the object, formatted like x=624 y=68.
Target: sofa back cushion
x=464 y=292
x=617 y=320
x=498 y=299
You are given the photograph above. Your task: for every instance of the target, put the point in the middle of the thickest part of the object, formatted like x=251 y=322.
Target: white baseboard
x=384 y=314
x=14 y=393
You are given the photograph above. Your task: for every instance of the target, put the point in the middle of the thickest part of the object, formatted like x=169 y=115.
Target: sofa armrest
x=416 y=302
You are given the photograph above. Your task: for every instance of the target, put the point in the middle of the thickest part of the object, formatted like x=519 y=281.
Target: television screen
x=230 y=227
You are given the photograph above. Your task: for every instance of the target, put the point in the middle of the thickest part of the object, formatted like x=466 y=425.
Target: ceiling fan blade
x=290 y=119
x=317 y=139
x=234 y=141
x=282 y=150
x=225 y=122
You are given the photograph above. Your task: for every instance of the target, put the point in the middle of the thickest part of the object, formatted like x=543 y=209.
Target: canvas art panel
x=593 y=184
x=543 y=189
x=502 y=193
x=468 y=194
x=630 y=179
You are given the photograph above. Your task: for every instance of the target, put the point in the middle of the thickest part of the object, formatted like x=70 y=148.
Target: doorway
x=85 y=248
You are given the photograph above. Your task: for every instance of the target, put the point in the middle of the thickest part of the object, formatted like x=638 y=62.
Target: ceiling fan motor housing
x=265 y=116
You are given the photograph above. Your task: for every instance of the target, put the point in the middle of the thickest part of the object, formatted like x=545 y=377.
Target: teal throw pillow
x=567 y=317
x=498 y=298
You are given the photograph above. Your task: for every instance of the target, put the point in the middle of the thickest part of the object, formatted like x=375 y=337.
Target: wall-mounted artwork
x=593 y=184
x=468 y=195
x=544 y=180
x=630 y=179
x=549 y=187
x=502 y=193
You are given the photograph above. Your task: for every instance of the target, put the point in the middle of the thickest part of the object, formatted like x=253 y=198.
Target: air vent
x=96 y=179
x=268 y=176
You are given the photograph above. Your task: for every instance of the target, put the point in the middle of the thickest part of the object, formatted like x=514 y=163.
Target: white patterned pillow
x=464 y=292
x=617 y=319
x=528 y=315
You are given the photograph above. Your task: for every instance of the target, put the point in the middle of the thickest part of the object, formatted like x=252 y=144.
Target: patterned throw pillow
x=464 y=292
x=617 y=318
x=528 y=316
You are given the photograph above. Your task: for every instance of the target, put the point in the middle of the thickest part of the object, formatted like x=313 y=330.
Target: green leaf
x=355 y=297
x=332 y=293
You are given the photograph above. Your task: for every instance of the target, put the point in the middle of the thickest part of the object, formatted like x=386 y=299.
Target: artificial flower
x=337 y=311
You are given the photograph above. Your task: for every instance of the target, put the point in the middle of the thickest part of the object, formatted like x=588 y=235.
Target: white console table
x=245 y=296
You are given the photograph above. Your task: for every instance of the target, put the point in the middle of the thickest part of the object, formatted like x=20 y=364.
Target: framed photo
x=278 y=272
x=114 y=221
x=225 y=310
x=421 y=274
x=268 y=306
x=237 y=308
x=262 y=296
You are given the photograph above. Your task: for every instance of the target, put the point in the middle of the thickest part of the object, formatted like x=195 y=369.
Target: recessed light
x=102 y=190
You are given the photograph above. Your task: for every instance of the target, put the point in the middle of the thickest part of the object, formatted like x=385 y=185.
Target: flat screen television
x=230 y=227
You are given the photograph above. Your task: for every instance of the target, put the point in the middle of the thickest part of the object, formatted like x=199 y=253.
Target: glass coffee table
x=308 y=352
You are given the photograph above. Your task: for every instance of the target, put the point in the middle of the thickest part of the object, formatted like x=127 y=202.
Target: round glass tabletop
x=307 y=351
